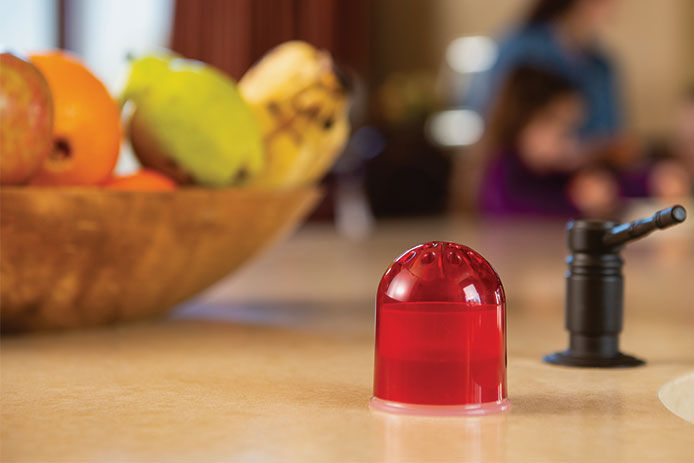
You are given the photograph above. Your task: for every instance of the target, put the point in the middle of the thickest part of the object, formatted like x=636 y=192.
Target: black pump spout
x=631 y=231
x=595 y=288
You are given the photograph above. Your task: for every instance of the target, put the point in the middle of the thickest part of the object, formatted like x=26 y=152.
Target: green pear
x=191 y=123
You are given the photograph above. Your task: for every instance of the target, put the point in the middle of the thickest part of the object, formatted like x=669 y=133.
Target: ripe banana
x=301 y=106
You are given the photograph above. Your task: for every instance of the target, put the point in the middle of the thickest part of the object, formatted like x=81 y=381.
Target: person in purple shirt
x=535 y=163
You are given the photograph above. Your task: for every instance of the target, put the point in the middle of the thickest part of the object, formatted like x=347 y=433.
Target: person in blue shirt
x=561 y=36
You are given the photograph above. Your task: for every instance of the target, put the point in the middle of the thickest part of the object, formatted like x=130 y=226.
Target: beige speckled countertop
x=275 y=364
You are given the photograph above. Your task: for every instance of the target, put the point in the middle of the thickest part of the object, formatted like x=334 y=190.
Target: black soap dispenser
x=595 y=288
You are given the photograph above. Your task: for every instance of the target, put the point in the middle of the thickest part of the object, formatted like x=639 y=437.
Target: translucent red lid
x=440 y=333
x=440 y=271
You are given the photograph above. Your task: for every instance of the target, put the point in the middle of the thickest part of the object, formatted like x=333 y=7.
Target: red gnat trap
x=440 y=334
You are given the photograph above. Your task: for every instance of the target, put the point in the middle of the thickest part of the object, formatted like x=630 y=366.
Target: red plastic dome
x=440 y=333
x=441 y=272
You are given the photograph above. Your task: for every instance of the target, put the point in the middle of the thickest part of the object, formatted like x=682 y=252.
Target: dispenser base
x=565 y=358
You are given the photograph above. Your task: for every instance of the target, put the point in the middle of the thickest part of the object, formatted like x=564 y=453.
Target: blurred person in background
x=567 y=125
x=561 y=36
x=684 y=132
x=666 y=171
x=534 y=161
x=672 y=177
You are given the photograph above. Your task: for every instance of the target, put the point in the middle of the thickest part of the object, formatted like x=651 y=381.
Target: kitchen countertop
x=276 y=363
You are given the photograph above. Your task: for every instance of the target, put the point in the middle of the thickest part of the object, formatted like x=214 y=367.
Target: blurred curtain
x=232 y=34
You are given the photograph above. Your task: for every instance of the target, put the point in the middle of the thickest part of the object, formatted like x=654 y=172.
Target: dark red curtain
x=233 y=34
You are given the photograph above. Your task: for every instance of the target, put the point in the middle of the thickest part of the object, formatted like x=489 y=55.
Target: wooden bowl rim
x=96 y=189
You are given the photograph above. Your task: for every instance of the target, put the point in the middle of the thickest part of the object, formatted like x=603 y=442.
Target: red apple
x=26 y=119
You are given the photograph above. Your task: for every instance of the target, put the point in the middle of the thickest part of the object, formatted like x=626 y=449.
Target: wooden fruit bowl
x=82 y=257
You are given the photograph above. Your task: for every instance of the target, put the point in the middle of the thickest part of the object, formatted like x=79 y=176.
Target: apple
x=26 y=119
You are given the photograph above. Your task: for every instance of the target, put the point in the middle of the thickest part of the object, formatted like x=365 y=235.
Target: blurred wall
x=104 y=32
x=31 y=27
x=402 y=37
x=233 y=34
x=652 y=42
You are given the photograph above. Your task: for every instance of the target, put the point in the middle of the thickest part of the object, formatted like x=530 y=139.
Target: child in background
x=536 y=164
x=673 y=177
x=684 y=133
x=665 y=170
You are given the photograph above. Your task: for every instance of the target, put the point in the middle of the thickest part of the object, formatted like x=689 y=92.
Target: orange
x=144 y=180
x=86 y=131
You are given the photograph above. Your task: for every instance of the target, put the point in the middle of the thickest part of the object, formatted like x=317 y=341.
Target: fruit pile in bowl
x=226 y=169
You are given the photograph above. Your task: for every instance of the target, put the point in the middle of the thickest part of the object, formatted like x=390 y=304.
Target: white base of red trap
x=486 y=408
